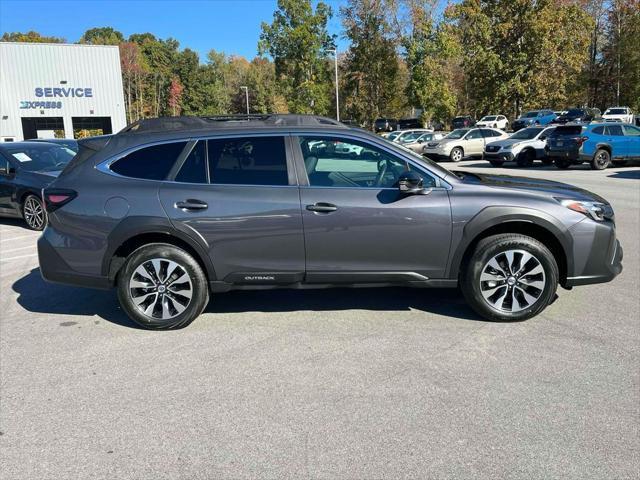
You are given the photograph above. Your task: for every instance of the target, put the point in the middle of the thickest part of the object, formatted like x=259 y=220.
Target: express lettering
x=64 y=92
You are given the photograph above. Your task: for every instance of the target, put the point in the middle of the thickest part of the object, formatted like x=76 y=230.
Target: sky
x=231 y=26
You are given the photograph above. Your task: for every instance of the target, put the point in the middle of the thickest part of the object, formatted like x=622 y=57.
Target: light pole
x=246 y=93
x=335 y=63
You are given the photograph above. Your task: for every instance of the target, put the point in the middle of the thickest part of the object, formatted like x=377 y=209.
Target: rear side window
x=194 y=168
x=598 y=130
x=150 y=163
x=615 y=130
x=248 y=161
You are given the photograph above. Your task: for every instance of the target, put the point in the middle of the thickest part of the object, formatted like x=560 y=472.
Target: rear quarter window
x=149 y=163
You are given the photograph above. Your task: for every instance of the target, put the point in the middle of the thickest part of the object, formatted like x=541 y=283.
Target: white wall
x=27 y=66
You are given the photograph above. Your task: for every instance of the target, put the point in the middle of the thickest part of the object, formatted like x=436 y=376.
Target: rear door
x=240 y=196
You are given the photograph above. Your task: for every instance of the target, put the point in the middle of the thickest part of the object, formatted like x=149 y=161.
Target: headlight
x=594 y=210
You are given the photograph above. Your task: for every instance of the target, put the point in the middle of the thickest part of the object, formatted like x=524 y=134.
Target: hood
x=533 y=185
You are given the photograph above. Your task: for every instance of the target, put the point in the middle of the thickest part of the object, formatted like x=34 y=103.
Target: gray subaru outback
x=173 y=210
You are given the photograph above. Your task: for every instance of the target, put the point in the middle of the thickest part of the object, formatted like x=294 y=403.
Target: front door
x=238 y=195
x=474 y=143
x=7 y=187
x=358 y=227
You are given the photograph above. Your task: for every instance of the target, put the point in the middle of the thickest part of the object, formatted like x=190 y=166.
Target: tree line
x=442 y=59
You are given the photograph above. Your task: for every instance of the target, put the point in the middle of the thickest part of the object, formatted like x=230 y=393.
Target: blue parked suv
x=600 y=144
x=534 y=117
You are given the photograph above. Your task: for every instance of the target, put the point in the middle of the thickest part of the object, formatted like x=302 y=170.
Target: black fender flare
x=132 y=227
x=492 y=216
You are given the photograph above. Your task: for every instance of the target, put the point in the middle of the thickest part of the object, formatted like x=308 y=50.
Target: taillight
x=581 y=140
x=54 y=198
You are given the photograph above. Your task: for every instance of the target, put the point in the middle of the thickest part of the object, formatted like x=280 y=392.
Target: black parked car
x=464 y=121
x=385 y=125
x=171 y=211
x=409 y=123
x=563 y=145
x=578 y=115
x=25 y=168
x=70 y=143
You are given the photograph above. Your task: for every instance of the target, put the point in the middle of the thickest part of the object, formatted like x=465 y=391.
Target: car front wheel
x=456 y=154
x=510 y=277
x=33 y=213
x=561 y=163
x=162 y=287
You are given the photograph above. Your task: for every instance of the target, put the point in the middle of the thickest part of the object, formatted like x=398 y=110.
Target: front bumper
x=505 y=156
x=597 y=254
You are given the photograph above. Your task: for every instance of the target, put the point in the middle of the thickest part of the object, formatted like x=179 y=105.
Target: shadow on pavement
x=15 y=222
x=632 y=174
x=36 y=295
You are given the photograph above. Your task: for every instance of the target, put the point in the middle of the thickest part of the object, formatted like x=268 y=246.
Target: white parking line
x=16 y=249
x=19 y=256
x=18 y=238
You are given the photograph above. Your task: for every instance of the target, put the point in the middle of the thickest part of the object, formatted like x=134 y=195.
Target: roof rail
x=163 y=124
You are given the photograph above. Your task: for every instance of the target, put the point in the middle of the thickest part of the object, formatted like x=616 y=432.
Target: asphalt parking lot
x=350 y=383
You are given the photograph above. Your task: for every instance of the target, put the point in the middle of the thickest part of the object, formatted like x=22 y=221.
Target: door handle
x=192 y=204
x=322 y=207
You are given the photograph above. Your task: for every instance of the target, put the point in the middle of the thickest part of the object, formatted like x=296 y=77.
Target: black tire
x=601 y=159
x=456 y=154
x=33 y=212
x=496 y=163
x=526 y=158
x=561 y=163
x=496 y=245
x=187 y=265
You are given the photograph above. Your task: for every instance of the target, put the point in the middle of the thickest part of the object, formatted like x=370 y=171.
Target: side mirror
x=410 y=182
x=543 y=138
x=421 y=141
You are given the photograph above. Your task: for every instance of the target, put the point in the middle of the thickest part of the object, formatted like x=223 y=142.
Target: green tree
x=372 y=70
x=102 y=36
x=30 y=37
x=298 y=42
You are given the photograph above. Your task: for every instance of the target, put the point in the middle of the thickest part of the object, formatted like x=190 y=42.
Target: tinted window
x=336 y=162
x=598 y=130
x=456 y=134
x=526 y=134
x=615 y=130
x=37 y=157
x=194 y=168
x=616 y=111
x=150 y=163
x=567 y=130
x=530 y=114
x=248 y=161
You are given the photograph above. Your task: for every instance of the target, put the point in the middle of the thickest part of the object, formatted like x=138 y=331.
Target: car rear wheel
x=33 y=213
x=162 y=287
x=526 y=158
x=510 y=277
x=456 y=154
x=561 y=163
x=601 y=160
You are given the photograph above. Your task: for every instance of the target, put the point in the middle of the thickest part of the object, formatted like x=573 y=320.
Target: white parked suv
x=524 y=147
x=618 y=114
x=494 y=121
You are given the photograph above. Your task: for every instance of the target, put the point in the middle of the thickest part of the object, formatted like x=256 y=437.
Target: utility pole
x=335 y=63
x=246 y=94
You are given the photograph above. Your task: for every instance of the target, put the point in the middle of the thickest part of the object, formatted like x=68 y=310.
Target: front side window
x=473 y=134
x=338 y=162
x=248 y=161
x=149 y=163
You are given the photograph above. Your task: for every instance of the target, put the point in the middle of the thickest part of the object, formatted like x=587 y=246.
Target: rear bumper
x=597 y=254
x=54 y=269
x=573 y=155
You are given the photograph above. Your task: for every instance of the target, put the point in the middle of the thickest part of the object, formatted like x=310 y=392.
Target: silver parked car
x=462 y=143
x=417 y=141
x=524 y=147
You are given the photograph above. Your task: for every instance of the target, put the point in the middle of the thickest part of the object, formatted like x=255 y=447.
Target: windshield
x=393 y=135
x=489 y=118
x=616 y=111
x=526 y=134
x=531 y=114
x=456 y=134
x=410 y=137
x=41 y=157
x=574 y=111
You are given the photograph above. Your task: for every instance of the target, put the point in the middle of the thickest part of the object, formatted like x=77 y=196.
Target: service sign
x=55 y=92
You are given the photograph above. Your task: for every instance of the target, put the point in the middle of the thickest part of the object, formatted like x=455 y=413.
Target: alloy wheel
x=456 y=155
x=512 y=281
x=602 y=159
x=34 y=213
x=161 y=289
